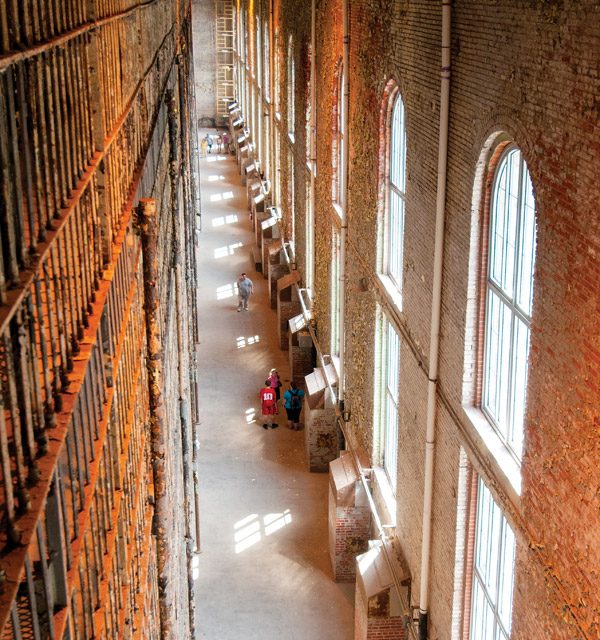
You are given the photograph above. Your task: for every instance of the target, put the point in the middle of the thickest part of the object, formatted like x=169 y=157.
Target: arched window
x=258 y=54
x=277 y=78
x=397 y=189
x=266 y=65
x=508 y=297
x=291 y=86
x=338 y=182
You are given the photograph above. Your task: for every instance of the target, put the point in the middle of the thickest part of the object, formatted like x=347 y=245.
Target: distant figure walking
x=203 y=147
x=225 y=137
x=209 y=141
x=245 y=288
x=293 y=406
x=269 y=406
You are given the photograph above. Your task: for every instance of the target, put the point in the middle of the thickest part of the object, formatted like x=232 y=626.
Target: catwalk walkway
x=264 y=571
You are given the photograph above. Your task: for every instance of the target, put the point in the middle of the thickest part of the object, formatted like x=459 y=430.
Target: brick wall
x=529 y=72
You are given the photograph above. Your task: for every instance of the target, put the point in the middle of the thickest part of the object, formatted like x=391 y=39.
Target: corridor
x=264 y=571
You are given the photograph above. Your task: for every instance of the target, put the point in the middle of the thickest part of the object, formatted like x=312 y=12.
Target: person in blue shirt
x=293 y=405
x=245 y=288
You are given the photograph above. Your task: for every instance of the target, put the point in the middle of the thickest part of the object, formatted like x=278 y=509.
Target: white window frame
x=336 y=266
x=493 y=571
x=389 y=399
x=509 y=299
x=396 y=201
x=291 y=86
x=339 y=183
x=266 y=62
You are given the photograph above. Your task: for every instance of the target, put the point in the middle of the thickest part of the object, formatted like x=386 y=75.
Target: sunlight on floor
x=248 y=530
x=212 y=158
x=222 y=252
x=242 y=342
x=250 y=416
x=214 y=178
x=226 y=291
x=219 y=222
x=226 y=195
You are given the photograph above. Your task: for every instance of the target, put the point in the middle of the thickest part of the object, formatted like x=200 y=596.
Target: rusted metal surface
x=77 y=486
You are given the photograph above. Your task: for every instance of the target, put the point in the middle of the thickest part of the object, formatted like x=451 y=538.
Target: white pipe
x=272 y=130
x=435 y=319
x=344 y=176
x=313 y=142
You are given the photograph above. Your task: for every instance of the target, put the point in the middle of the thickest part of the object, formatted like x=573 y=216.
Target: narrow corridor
x=264 y=571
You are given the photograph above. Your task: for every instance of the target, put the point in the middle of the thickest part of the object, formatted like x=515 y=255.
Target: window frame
x=396 y=193
x=485 y=550
x=291 y=90
x=388 y=398
x=500 y=307
x=337 y=137
x=336 y=266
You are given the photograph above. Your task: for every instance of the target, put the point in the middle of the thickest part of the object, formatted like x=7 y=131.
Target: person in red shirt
x=269 y=405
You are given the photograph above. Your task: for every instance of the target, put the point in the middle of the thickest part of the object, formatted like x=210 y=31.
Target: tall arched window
x=339 y=139
x=277 y=76
x=509 y=297
x=396 y=199
x=266 y=65
x=291 y=86
x=258 y=54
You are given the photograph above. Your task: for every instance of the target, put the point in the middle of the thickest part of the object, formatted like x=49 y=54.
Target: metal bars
x=76 y=123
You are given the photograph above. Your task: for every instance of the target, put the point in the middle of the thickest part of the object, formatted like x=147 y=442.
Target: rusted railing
x=81 y=137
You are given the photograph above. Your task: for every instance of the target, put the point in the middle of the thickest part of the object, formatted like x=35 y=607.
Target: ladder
x=225 y=41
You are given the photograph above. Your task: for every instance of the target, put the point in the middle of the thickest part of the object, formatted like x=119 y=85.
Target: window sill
x=383 y=496
x=392 y=290
x=498 y=450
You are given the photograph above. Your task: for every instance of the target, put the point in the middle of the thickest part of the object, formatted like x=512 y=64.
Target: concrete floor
x=264 y=572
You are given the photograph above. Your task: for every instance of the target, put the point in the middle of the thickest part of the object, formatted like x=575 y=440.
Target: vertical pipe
x=344 y=168
x=435 y=319
x=313 y=143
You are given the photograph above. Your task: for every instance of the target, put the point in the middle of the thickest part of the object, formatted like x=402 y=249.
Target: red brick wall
x=531 y=71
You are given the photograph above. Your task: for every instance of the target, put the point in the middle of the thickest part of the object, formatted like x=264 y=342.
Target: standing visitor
x=245 y=288
x=293 y=406
x=268 y=405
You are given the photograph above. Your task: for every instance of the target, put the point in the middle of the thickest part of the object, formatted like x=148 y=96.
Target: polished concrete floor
x=264 y=571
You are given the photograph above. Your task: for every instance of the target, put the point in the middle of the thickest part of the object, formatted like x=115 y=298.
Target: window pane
x=527 y=247
x=510 y=296
x=505 y=587
x=519 y=386
x=482 y=616
x=397 y=181
x=398 y=147
x=395 y=233
x=497 y=366
x=493 y=571
x=392 y=381
x=504 y=226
